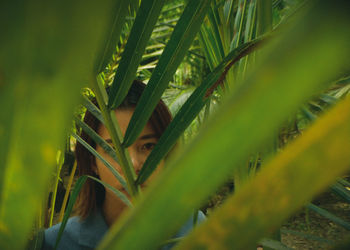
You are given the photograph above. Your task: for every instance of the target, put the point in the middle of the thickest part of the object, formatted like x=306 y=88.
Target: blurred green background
x=248 y=83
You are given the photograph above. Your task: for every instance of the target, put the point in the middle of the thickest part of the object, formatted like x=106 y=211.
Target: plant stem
x=53 y=198
x=115 y=133
x=69 y=186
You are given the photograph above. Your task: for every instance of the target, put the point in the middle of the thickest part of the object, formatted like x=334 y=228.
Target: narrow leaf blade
x=77 y=187
x=174 y=52
x=191 y=109
x=52 y=62
x=113 y=34
x=140 y=33
x=98 y=139
x=234 y=125
x=103 y=160
x=74 y=195
x=280 y=186
x=93 y=109
x=119 y=194
x=329 y=216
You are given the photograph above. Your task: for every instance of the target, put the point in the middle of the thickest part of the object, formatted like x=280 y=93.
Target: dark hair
x=92 y=194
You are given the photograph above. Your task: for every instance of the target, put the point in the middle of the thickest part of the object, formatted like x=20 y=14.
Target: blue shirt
x=86 y=234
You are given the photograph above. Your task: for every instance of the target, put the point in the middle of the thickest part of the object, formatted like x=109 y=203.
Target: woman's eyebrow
x=144 y=137
x=148 y=136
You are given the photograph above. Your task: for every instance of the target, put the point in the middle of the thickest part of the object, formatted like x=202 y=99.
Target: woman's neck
x=112 y=208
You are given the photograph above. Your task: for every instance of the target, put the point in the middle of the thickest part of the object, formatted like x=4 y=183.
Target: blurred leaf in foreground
x=301 y=62
x=46 y=55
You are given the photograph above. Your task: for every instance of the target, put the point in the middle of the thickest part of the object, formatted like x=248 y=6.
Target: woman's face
x=138 y=151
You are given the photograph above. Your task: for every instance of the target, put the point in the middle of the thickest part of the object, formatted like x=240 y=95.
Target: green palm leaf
x=103 y=160
x=55 y=46
x=97 y=139
x=112 y=36
x=180 y=41
x=294 y=60
x=190 y=110
x=74 y=195
x=329 y=216
x=93 y=109
x=140 y=33
x=280 y=186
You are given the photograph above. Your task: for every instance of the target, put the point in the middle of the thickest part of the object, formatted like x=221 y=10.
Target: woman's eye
x=148 y=146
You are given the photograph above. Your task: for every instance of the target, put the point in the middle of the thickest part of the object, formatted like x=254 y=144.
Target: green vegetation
x=243 y=79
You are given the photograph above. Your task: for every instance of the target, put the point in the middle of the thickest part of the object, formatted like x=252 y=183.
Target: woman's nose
x=137 y=160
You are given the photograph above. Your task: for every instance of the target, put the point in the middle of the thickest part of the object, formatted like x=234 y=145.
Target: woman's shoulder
x=69 y=236
x=197 y=218
x=77 y=234
x=85 y=234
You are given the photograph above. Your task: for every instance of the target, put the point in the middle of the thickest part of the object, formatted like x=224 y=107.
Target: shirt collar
x=92 y=230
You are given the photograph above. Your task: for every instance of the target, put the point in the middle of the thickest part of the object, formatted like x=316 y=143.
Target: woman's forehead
x=123 y=117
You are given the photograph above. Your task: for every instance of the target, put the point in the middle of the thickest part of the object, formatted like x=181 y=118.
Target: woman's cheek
x=106 y=175
x=156 y=172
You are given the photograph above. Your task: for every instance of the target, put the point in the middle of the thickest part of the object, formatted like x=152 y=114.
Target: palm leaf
x=307 y=236
x=74 y=195
x=77 y=187
x=329 y=216
x=140 y=33
x=341 y=190
x=6 y=125
x=261 y=99
x=39 y=87
x=273 y=244
x=103 y=160
x=112 y=36
x=180 y=41
x=264 y=14
x=97 y=139
x=190 y=110
x=93 y=109
x=115 y=133
x=280 y=186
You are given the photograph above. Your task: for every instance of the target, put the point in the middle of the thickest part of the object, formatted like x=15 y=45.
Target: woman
x=97 y=208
